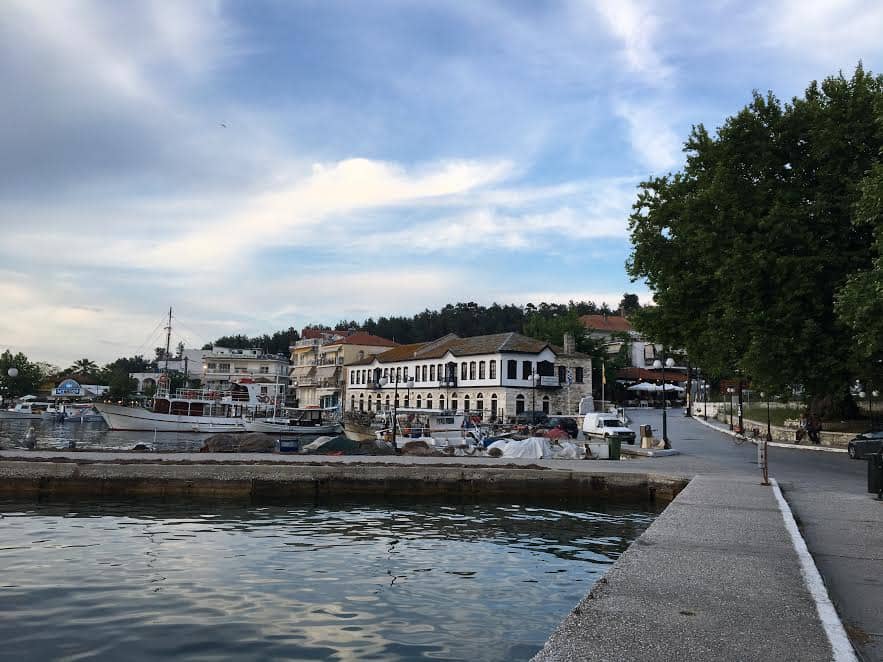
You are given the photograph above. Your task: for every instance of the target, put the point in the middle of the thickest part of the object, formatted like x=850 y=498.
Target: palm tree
x=84 y=367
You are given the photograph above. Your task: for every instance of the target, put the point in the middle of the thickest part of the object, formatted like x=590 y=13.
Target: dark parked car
x=531 y=417
x=865 y=444
x=567 y=424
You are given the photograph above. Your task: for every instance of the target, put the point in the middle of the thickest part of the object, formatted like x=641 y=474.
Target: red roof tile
x=611 y=323
x=362 y=338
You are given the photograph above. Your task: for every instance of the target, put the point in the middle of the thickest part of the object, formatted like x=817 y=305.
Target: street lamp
x=769 y=433
x=533 y=378
x=669 y=362
x=395 y=400
x=730 y=398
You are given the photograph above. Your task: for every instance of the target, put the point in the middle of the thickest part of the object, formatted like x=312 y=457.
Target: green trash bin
x=614 y=444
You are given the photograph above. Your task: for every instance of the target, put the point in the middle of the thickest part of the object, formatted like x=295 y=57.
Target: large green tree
x=26 y=382
x=746 y=247
x=860 y=301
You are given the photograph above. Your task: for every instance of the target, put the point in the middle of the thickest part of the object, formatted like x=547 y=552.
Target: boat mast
x=168 y=339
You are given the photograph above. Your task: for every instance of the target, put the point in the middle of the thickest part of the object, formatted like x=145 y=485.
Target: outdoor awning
x=327 y=371
x=302 y=371
x=646 y=387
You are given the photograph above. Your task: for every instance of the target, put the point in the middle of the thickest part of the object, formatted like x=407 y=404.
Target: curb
x=831 y=623
x=777 y=444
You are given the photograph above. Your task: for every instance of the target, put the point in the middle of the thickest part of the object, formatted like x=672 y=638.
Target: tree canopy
x=747 y=248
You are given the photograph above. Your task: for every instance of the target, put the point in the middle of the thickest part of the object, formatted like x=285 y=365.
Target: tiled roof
x=490 y=344
x=611 y=323
x=362 y=338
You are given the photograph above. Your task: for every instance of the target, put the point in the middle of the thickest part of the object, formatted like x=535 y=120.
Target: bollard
x=763 y=461
x=875 y=474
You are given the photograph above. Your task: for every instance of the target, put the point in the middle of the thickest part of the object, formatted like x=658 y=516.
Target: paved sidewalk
x=715 y=577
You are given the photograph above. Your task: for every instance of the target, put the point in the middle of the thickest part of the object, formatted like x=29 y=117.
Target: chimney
x=569 y=343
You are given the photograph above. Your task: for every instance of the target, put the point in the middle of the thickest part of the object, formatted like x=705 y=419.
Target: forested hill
x=464 y=319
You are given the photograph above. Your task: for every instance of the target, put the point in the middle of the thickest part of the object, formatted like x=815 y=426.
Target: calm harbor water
x=346 y=581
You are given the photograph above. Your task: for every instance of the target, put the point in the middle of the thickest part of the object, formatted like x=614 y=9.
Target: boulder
x=416 y=447
x=252 y=442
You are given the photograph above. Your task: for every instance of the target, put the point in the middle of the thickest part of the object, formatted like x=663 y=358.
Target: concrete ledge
x=648 y=452
x=287 y=479
x=715 y=577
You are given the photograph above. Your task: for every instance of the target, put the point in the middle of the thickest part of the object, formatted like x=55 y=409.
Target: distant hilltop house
x=318 y=360
x=490 y=375
x=615 y=331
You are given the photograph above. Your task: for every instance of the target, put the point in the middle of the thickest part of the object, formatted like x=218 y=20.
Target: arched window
x=463 y=370
x=481 y=369
x=441 y=402
x=361 y=402
x=397 y=401
x=479 y=402
x=387 y=401
x=545 y=404
x=454 y=402
x=465 y=403
x=494 y=406
x=429 y=402
x=519 y=404
x=353 y=403
x=407 y=400
x=419 y=402
x=472 y=370
x=361 y=354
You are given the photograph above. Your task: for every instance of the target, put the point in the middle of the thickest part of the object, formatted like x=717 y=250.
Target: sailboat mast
x=168 y=339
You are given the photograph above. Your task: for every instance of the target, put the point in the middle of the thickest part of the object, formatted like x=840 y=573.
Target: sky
x=266 y=164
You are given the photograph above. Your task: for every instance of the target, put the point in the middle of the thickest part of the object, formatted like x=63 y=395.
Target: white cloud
x=653 y=140
x=636 y=27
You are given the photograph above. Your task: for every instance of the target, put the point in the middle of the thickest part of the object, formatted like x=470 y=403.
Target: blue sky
x=266 y=164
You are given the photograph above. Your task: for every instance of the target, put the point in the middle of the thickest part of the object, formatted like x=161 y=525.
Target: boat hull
x=283 y=428
x=21 y=416
x=118 y=417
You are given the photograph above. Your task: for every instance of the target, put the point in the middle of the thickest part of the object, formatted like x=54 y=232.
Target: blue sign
x=68 y=387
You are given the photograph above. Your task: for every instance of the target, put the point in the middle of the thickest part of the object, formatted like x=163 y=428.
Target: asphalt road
x=841 y=522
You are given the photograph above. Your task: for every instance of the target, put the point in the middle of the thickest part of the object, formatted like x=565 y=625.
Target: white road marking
x=831 y=622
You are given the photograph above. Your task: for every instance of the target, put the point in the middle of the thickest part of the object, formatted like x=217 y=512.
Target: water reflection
x=303 y=581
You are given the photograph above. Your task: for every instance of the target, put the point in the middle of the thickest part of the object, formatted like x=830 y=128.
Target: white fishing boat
x=28 y=410
x=439 y=428
x=81 y=413
x=191 y=410
x=299 y=421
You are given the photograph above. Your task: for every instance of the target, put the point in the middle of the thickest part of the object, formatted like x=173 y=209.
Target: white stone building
x=223 y=366
x=489 y=375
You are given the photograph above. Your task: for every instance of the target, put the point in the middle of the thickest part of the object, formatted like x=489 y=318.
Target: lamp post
x=395 y=398
x=666 y=362
x=730 y=398
x=533 y=378
x=689 y=412
x=769 y=432
x=741 y=426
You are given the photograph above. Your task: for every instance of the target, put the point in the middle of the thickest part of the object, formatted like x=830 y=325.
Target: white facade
x=494 y=385
x=223 y=365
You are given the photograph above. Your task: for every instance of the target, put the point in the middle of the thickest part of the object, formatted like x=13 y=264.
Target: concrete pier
x=715 y=577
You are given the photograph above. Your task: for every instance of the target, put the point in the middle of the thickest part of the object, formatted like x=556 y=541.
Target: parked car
x=864 y=444
x=565 y=423
x=531 y=417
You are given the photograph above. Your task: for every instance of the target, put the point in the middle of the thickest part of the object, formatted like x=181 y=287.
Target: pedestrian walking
x=801 y=429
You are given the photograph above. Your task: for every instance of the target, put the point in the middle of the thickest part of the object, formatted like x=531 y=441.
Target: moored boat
x=190 y=410
x=298 y=421
x=28 y=410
